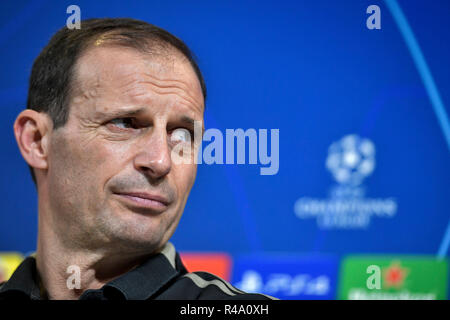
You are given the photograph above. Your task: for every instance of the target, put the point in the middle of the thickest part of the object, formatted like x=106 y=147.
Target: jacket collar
x=24 y=281
x=147 y=279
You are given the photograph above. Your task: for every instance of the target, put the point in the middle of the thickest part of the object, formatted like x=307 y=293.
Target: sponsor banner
x=9 y=261
x=216 y=263
x=287 y=276
x=393 y=278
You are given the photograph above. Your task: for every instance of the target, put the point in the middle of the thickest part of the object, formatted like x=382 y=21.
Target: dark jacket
x=162 y=276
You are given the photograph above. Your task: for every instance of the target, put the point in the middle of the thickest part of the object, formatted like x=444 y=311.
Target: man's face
x=111 y=180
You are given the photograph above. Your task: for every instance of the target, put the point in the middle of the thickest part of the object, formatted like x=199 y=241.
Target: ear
x=32 y=130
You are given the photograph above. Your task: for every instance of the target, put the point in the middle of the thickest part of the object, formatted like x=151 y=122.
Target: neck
x=66 y=273
x=66 y=269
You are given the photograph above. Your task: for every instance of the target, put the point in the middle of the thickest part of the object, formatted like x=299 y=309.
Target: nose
x=153 y=158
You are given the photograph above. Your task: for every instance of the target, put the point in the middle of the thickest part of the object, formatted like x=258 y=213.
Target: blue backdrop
x=311 y=69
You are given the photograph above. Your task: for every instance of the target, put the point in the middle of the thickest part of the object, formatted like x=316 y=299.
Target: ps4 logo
x=283 y=284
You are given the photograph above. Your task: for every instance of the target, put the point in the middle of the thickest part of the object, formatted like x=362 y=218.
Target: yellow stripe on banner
x=9 y=261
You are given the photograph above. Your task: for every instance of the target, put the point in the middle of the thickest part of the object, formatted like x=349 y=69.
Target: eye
x=181 y=135
x=123 y=123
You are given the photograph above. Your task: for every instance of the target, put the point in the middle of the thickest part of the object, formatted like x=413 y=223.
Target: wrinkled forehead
x=108 y=69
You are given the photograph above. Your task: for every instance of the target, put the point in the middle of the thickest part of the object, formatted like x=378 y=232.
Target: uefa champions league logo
x=350 y=160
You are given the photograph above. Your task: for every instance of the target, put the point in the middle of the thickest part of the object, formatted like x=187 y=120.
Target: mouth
x=144 y=200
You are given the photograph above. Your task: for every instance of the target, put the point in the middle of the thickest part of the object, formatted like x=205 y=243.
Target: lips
x=144 y=200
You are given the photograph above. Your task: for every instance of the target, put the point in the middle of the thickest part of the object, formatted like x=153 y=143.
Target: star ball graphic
x=394 y=275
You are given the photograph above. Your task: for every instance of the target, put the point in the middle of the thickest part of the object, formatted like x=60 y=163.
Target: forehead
x=113 y=71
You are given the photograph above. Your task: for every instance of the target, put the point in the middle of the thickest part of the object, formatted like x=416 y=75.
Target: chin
x=144 y=244
x=144 y=232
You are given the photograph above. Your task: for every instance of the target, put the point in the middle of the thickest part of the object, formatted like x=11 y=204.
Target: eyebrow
x=122 y=112
x=132 y=112
x=190 y=122
x=187 y=120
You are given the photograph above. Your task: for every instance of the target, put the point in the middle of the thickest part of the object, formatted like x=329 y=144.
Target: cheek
x=184 y=176
x=112 y=158
x=83 y=167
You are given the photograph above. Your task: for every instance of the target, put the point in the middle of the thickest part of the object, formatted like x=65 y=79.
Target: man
x=107 y=105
